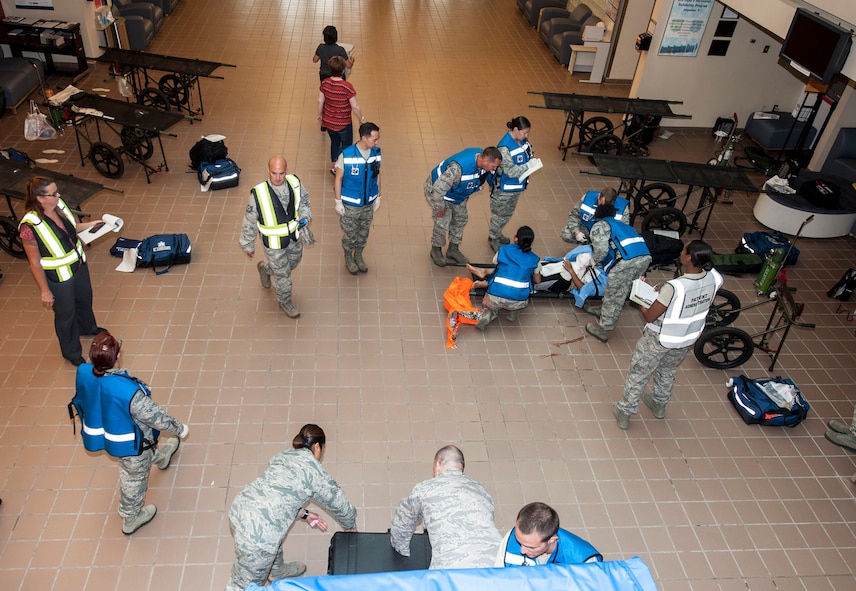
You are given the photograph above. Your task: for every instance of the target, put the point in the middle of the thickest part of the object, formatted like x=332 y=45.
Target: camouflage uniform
x=134 y=470
x=456 y=216
x=280 y=262
x=502 y=204
x=620 y=278
x=262 y=513
x=457 y=513
x=650 y=357
x=575 y=222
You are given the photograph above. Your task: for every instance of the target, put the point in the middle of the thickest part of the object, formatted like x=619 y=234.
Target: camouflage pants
x=257 y=550
x=650 y=357
x=499 y=303
x=452 y=223
x=280 y=263
x=502 y=206
x=356 y=223
x=133 y=482
x=619 y=282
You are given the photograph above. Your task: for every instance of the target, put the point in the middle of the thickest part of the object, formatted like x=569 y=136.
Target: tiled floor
x=708 y=502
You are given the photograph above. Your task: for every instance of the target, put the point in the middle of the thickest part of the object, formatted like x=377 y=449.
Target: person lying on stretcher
x=576 y=273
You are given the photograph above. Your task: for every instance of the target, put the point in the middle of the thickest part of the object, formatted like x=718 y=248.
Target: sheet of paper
x=111 y=224
x=643 y=293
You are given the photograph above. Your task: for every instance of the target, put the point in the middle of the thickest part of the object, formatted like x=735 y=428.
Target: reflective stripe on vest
x=269 y=226
x=470 y=175
x=60 y=261
x=589 y=205
x=520 y=155
x=684 y=319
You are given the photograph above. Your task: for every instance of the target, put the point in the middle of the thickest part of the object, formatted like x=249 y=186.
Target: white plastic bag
x=36 y=126
x=125 y=88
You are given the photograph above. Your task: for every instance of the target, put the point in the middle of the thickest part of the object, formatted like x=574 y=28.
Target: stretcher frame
x=171 y=90
x=135 y=125
x=13 y=180
x=577 y=105
x=636 y=172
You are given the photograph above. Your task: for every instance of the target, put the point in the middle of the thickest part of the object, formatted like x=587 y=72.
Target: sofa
x=560 y=43
x=168 y=6
x=772 y=134
x=559 y=20
x=531 y=9
x=19 y=77
x=841 y=161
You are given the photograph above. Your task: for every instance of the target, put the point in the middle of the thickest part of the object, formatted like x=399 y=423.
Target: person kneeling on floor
x=510 y=282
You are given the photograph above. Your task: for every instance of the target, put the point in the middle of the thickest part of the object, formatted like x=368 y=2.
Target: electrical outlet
x=766 y=49
x=775 y=108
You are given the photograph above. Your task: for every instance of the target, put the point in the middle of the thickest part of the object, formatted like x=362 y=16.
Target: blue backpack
x=221 y=174
x=756 y=408
x=763 y=244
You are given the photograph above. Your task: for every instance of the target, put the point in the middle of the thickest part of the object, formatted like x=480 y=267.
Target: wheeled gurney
x=600 y=128
x=170 y=90
x=134 y=125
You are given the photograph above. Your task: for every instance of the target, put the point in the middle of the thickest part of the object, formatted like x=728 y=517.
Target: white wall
x=77 y=11
x=743 y=81
x=625 y=56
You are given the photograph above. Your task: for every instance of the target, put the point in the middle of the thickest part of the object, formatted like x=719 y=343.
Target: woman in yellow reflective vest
x=58 y=264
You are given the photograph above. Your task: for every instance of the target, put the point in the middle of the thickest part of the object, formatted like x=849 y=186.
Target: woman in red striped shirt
x=335 y=101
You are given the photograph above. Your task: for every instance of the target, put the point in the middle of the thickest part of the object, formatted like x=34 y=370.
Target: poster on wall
x=685 y=27
x=35 y=4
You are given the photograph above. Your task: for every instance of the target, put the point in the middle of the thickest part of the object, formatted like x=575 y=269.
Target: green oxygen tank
x=770 y=270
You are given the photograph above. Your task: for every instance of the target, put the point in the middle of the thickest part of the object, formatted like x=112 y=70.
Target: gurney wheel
x=665 y=218
x=723 y=348
x=175 y=89
x=106 y=160
x=595 y=127
x=137 y=143
x=604 y=144
x=9 y=239
x=725 y=309
x=651 y=197
x=154 y=98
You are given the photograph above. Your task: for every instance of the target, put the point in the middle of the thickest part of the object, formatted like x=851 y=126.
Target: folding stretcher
x=134 y=125
x=170 y=90
x=655 y=201
x=13 y=182
x=354 y=553
x=600 y=129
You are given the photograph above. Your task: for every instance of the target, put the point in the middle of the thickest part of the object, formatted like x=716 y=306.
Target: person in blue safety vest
x=510 y=282
x=537 y=539
x=581 y=218
x=118 y=416
x=447 y=190
x=357 y=192
x=624 y=256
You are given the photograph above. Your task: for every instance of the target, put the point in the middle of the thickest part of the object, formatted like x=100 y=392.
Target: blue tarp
x=617 y=575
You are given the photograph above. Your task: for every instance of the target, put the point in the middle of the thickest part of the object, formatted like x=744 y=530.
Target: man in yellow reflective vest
x=277 y=209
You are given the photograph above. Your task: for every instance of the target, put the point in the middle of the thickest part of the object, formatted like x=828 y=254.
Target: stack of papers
x=110 y=223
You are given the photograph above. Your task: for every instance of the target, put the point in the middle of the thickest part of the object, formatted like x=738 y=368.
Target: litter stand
x=135 y=125
x=174 y=89
x=635 y=172
x=13 y=180
x=576 y=106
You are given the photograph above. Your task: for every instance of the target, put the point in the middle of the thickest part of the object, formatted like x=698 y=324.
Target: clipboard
x=643 y=293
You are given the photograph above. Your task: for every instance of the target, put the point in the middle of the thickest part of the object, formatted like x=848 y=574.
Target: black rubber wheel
x=137 y=142
x=665 y=218
x=604 y=144
x=106 y=160
x=154 y=98
x=725 y=309
x=653 y=196
x=10 y=241
x=723 y=347
x=175 y=89
x=594 y=127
